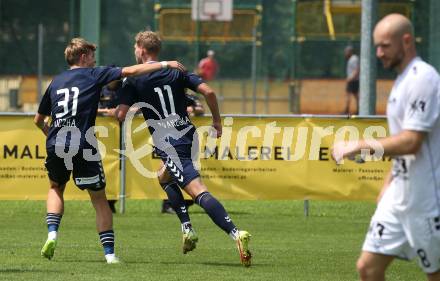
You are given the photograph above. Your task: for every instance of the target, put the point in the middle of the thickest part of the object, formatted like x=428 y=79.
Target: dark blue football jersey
x=165 y=102
x=72 y=100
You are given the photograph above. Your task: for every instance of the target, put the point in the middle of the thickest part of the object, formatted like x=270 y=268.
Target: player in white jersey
x=406 y=223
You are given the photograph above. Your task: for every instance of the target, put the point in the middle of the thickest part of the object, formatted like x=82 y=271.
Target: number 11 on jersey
x=162 y=100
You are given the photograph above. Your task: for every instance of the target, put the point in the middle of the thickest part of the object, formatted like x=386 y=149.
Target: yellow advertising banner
x=269 y=158
x=23 y=152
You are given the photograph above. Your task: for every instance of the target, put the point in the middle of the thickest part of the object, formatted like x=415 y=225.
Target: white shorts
x=405 y=236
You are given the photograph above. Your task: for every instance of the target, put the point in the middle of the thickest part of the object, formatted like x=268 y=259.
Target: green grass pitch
x=285 y=244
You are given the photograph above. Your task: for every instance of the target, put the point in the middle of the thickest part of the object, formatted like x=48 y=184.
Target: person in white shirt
x=352 y=71
x=406 y=223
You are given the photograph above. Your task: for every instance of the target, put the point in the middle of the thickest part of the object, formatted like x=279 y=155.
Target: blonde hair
x=149 y=40
x=76 y=48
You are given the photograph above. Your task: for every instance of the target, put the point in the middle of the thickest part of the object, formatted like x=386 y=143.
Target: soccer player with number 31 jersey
x=71 y=101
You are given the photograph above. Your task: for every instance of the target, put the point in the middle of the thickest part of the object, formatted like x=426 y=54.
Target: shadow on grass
x=179 y=263
x=238 y=265
x=229 y=212
x=81 y=261
x=187 y=263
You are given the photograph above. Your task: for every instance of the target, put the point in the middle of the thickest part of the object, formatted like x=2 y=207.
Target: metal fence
x=288 y=44
x=9 y=87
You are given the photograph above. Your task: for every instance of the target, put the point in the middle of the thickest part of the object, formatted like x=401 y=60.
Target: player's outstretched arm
x=41 y=121
x=145 y=68
x=406 y=142
x=211 y=100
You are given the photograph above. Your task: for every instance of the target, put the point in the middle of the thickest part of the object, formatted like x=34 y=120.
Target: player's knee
x=97 y=196
x=366 y=271
x=362 y=269
x=195 y=188
x=163 y=178
x=56 y=186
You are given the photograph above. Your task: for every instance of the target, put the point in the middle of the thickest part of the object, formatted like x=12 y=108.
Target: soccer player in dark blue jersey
x=161 y=98
x=71 y=100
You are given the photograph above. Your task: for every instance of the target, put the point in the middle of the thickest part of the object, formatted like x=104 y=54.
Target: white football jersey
x=414 y=104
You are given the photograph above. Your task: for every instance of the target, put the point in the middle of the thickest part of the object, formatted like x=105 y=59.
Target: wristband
x=164 y=64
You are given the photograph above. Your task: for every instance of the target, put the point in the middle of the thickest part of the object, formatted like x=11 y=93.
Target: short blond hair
x=149 y=40
x=76 y=48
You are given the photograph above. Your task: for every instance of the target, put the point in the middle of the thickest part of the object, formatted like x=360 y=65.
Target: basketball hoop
x=212 y=16
x=212 y=8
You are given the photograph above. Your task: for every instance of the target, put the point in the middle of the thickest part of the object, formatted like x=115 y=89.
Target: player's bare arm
x=211 y=100
x=41 y=121
x=406 y=142
x=144 y=68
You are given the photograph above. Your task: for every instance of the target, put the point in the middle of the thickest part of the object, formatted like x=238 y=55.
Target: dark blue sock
x=216 y=211
x=53 y=221
x=108 y=241
x=176 y=200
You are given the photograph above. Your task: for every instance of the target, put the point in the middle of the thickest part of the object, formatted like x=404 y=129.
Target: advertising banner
x=23 y=152
x=277 y=158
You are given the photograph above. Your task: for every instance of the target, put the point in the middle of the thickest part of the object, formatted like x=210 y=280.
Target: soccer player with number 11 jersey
x=161 y=98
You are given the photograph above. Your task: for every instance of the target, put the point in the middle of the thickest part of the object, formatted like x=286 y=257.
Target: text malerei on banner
x=22 y=156
x=270 y=158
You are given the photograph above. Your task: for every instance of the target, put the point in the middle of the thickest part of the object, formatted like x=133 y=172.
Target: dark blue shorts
x=184 y=172
x=352 y=87
x=86 y=174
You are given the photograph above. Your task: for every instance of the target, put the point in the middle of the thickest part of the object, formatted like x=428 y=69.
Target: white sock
x=234 y=234
x=52 y=235
x=110 y=256
x=186 y=227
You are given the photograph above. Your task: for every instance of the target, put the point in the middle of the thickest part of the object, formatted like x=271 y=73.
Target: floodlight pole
x=197 y=47
x=71 y=18
x=90 y=23
x=254 y=71
x=40 y=61
x=367 y=95
x=434 y=34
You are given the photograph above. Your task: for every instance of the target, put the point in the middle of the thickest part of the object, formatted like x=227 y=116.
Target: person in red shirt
x=208 y=67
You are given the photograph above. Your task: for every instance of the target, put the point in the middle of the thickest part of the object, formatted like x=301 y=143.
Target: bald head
x=395 y=25
x=394 y=41
x=348 y=51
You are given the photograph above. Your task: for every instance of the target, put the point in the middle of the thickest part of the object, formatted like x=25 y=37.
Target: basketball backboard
x=212 y=10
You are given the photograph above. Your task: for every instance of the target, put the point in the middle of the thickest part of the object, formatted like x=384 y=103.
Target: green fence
x=292 y=42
